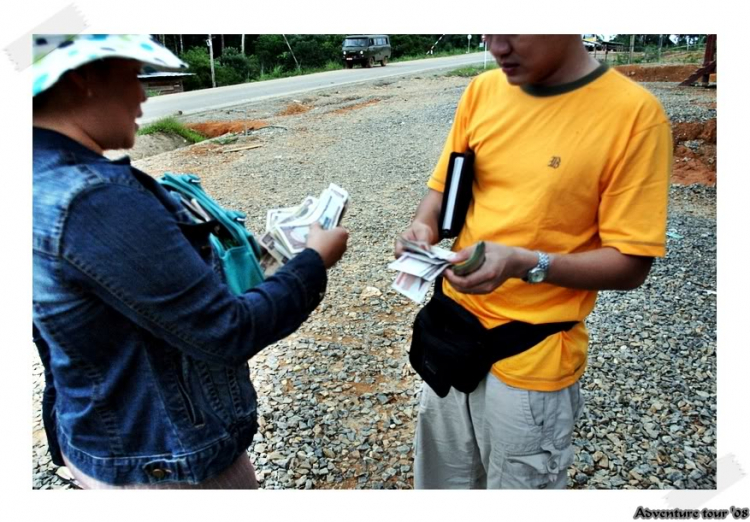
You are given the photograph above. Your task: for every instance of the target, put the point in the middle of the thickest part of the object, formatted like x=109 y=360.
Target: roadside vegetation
x=439 y=54
x=473 y=70
x=171 y=126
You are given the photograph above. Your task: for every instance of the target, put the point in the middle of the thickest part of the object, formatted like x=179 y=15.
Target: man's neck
x=578 y=64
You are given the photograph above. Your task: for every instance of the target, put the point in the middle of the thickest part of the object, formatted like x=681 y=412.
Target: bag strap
x=232 y=220
x=503 y=341
x=515 y=337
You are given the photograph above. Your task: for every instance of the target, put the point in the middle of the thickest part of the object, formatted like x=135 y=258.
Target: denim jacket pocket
x=183 y=379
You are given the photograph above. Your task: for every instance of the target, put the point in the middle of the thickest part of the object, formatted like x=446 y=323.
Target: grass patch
x=472 y=70
x=279 y=72
x=437 y=54
x=172 y=126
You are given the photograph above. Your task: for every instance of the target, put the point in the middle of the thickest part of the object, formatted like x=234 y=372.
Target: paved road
x=210 y=99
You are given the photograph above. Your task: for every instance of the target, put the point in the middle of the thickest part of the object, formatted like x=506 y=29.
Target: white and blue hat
x=55 y=54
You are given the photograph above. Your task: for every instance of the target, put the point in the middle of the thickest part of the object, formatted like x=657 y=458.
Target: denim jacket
x=145 y=347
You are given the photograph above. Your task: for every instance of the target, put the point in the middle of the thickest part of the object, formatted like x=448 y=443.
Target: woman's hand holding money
x=329 y=244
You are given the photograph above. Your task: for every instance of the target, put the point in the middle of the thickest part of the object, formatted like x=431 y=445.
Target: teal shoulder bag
x=236 y=248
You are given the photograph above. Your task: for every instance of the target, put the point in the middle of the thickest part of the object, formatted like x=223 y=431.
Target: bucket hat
x=55 y=54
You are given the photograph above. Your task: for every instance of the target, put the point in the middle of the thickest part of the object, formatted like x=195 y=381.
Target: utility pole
x=242 y=45
x=211 y=56
x=484 y=45
x=632 y=46
x=290 y=50
x=182 y=49
x=659 y=55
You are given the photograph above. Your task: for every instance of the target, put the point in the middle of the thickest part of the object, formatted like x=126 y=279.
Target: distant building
x=163 y=82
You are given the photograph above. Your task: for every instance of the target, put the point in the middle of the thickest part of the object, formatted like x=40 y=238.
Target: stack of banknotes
x=421 y=264
x=287 y=228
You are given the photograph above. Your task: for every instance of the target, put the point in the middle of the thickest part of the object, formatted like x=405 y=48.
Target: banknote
x=431 y=251
x=269 y=264
x=473 y=263
x=268 y=242
x=421 y=264
x=327 y=211
x=302 y=211
x=275 y=215
x=413 y=287
x=416 y=265
x=287 y=228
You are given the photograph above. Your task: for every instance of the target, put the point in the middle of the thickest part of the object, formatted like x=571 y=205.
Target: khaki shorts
x=497 y=437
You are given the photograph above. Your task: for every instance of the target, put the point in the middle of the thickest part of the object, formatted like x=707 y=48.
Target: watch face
x=536 y=275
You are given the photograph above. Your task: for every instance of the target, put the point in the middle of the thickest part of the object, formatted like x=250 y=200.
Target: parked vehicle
x=366 y=49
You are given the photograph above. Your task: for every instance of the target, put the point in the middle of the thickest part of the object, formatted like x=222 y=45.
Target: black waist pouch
x=450 y=347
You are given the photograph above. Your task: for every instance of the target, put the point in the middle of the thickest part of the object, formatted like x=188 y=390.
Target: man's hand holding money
x=501 y=262
x=418 y=232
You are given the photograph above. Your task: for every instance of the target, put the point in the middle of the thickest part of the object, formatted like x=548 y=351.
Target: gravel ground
x=338 y=399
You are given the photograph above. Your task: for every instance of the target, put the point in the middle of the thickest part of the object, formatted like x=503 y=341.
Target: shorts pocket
x=526 y=471
x=532 y=405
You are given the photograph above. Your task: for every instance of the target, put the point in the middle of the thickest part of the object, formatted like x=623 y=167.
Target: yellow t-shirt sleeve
x=633 y=206
x=457 y=141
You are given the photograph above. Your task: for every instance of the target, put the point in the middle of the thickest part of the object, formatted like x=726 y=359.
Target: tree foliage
x=643 y=41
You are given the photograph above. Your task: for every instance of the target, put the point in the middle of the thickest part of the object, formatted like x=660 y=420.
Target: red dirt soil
x=356 y=106
x=697 y=164
x=659 y=73
x=294 y=108
x=213 y=129
x=695 y=131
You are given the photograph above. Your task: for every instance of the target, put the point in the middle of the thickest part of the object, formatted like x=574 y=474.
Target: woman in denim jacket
x=145 y=348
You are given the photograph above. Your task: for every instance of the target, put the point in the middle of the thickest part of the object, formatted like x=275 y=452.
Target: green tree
x=270 y=50
x=315 y=50
x=418 y=44
x=198 y=60
x=227 y=76
x=232 y=59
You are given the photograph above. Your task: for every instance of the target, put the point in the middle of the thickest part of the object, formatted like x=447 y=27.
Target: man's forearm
x=601 y=269
x=428 y=211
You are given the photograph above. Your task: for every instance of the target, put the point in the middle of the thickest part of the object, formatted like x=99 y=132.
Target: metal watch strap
x=543 y=261
x=541 y=266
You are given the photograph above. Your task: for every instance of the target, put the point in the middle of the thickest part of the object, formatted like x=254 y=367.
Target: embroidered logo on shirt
x=554 y=162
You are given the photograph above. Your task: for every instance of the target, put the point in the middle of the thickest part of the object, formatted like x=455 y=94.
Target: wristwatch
x=539 y=272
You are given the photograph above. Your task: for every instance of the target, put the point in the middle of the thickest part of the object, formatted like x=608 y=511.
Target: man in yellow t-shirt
x=572 y=165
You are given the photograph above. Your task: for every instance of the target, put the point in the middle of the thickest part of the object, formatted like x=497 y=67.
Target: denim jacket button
x=158 y=473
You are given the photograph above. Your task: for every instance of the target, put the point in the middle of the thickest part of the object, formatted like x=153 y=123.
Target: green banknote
x=472 y=264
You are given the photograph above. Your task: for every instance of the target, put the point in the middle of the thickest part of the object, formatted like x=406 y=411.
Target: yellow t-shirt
x=561 y=170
